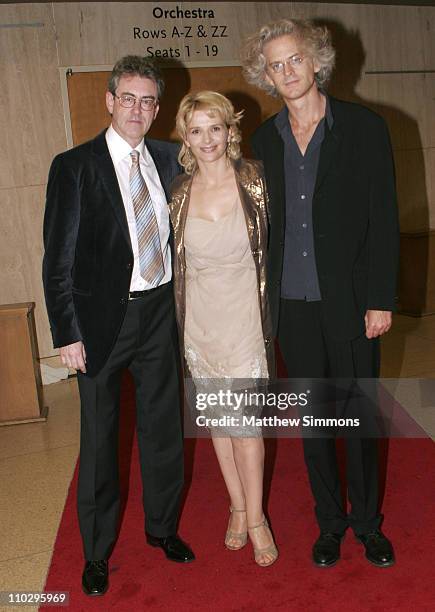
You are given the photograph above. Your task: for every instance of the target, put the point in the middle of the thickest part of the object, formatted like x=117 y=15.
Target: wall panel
x=413 y=172
x=21 y=213
x=32 y=127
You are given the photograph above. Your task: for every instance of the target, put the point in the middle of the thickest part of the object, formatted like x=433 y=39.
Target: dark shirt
x=299 y=276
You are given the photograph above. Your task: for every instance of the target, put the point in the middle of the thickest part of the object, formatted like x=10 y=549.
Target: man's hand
x=74 y=356
x=377 y=322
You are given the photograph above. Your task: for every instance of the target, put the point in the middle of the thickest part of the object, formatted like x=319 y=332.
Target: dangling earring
x=189 y=159
x=189 y=153
x=231 y=151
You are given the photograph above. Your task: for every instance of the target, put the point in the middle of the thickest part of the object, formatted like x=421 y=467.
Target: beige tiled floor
x=36 y=465
x=37 y=460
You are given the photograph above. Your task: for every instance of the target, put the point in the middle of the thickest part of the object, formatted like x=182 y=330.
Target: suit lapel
x=244 y=186
x=108 y=176
x=179 y=204
x=329 y=149
x=276 y=176
x=163 y=165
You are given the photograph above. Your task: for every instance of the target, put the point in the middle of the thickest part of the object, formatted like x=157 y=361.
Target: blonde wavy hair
x=213 y=103
x=316 y=42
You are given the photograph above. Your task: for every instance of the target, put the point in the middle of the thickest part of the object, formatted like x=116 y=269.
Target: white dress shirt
x=120 y=151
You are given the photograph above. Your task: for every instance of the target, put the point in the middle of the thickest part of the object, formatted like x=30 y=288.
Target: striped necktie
x=151 y=265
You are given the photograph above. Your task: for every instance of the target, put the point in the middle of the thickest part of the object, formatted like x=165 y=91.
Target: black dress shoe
x=326 y=549
x=95 y=578
x=175 y=549
x=379 y=549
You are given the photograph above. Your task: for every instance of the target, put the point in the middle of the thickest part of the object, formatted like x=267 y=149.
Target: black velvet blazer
x=88 y=258
x=355 y=220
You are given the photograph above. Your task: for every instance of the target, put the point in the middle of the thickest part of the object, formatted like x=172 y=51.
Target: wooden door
x=86 y=92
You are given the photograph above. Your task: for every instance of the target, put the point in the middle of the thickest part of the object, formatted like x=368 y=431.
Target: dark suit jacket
x=355 y=221
x=88 y=257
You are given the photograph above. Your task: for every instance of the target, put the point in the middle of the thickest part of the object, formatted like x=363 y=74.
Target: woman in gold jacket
x=219 y=216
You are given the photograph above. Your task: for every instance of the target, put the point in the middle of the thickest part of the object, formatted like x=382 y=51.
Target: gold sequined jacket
x=253 y=196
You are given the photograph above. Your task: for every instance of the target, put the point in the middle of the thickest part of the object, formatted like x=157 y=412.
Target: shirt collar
x=119 y=148
x=282 y=122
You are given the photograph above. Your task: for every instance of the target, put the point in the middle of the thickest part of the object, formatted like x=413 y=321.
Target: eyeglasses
x=294 y=61
x=128 y=101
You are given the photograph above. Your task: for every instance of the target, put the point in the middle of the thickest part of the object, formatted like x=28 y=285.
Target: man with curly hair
x=333 y=255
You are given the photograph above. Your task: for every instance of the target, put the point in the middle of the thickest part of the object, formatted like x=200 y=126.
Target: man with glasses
x=107 y=279
x=333 y=256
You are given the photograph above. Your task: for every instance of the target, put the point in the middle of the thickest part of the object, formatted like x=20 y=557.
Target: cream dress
x=223 y=338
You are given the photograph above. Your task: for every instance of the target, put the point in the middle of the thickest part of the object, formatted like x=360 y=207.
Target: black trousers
x=147 y=346
x=309 y=352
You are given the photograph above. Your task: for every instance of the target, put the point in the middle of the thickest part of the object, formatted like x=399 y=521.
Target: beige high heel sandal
x=271 y=549
x=241 y=538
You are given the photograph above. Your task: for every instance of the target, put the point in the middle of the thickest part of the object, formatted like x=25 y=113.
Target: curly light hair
x=213 y=103
x=315 y=40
